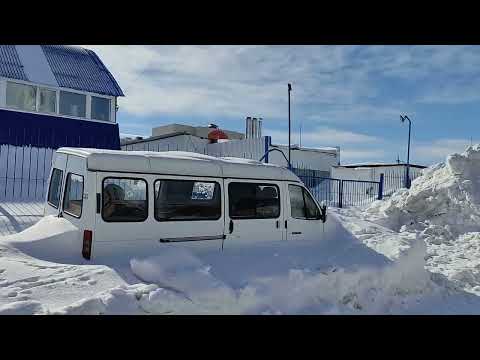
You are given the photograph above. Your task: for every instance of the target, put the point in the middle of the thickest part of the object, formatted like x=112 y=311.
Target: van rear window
x=54 y=190
x=124 y=200
x=73 y=197
x=253 y=201
x=187 y=200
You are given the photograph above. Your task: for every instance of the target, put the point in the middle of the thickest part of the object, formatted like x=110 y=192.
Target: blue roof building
x=53 y=96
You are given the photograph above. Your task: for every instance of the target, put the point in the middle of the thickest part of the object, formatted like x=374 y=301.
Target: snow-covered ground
x=340 y=275
x=17 y=216
x=416 y=253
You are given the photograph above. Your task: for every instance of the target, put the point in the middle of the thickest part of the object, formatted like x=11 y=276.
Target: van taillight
x=87 y=244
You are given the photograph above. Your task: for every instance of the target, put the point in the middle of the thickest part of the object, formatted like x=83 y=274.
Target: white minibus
x=124 y=201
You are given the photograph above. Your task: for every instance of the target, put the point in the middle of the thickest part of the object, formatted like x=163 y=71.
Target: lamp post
x=407 y=175
x=289 y=128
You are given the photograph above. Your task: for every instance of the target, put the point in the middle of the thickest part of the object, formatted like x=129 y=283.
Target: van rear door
x=75 y=206
x=55 y=184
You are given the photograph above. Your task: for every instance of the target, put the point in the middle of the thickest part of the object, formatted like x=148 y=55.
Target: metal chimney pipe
x=254 y=123
x=248 y=127
x=259 y=127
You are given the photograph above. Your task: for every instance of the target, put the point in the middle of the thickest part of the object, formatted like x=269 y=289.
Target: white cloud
x=437 y=151
x=323 y=136
x=329 y=82
x=350 y=155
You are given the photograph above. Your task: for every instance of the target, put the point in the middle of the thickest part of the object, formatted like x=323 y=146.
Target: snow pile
x=42 y=272
x=183 y=284
x=442 y=208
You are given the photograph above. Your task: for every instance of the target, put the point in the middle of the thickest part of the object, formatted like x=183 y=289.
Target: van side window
x=124 y=200
x=73 y=198
x=187 y=200
x=297 y=204
x=302 y=206
x=55 y=188
x=253 y=200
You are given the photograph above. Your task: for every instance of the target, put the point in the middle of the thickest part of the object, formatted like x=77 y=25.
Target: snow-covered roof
x=70 y=67
x=317 y=149
x=363 y=165
x=179 y=163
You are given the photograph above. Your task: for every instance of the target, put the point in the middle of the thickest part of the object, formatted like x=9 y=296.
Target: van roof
x=178 y=163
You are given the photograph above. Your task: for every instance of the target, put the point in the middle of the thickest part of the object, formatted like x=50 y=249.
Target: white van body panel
x=151 y=235
x=178 y=163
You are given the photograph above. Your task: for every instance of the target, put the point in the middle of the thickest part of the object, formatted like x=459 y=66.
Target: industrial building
x=211 y=140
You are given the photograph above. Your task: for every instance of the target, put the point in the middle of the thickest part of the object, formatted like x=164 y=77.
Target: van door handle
x=230 y=227
x=296 y=232
x=278 y=224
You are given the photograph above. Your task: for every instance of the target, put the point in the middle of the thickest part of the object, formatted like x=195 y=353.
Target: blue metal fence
x=342 y=193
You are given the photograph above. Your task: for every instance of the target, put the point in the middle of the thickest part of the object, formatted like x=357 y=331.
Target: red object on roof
x=217 y=134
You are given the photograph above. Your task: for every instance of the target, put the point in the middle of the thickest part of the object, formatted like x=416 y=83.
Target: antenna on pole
x=301 y=124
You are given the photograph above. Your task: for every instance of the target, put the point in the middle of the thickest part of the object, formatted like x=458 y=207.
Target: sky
x=346 y=96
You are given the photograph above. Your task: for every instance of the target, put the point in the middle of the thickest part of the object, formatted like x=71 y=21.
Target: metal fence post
x=340 y=193
x=380 y=187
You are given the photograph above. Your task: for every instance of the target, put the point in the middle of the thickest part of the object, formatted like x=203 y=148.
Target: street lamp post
x=289 y=128
x=407 y=175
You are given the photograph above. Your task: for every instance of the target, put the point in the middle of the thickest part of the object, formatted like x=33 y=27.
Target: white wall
x=365 y=174
x=174 y=143
x=247 y=148
x=24 y=172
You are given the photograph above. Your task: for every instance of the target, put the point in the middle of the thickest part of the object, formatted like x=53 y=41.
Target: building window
x=73 y=198
x=21 y=96
x=253 y=201
x=100 y=108
x=187 y=200
x=47 y=102
x=302 y=205
x=55 y=187
x=124 y=200
x=72 y=104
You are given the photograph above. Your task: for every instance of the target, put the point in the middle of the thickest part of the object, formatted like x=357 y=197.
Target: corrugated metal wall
x=175 y=143
x=248 y=148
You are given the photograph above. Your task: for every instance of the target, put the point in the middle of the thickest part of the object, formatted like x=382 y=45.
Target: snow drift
x=442 y=208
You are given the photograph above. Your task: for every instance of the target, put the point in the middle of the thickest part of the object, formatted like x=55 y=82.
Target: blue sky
x=347 y=96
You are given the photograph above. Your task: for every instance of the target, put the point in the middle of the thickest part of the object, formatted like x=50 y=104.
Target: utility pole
x=289 y=129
